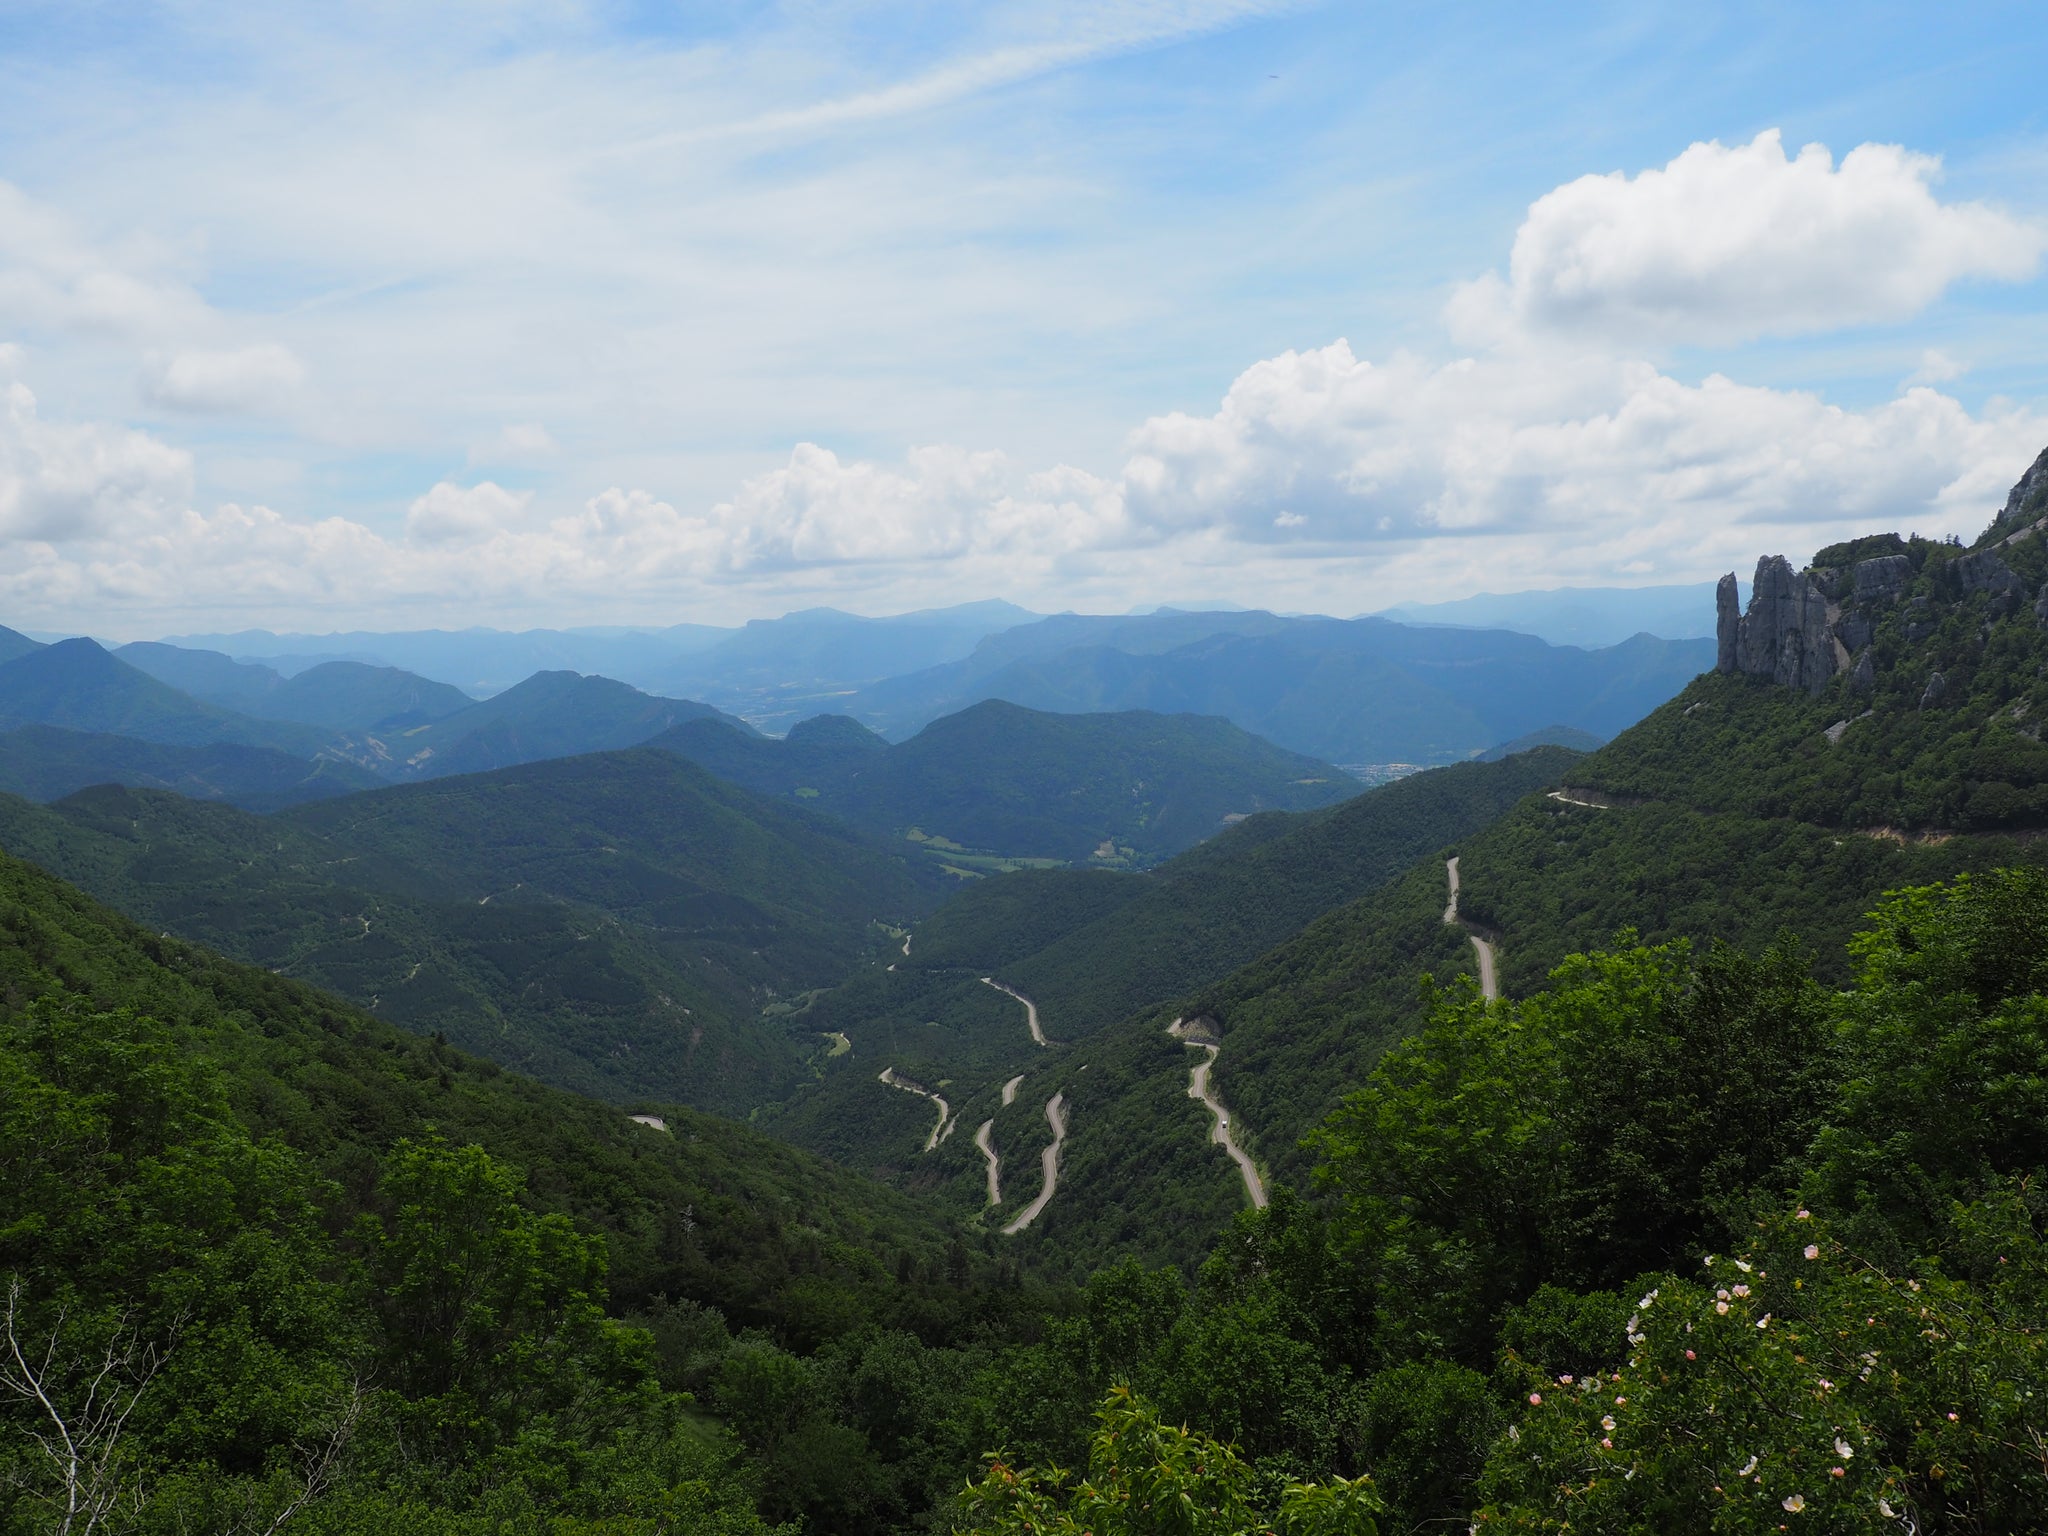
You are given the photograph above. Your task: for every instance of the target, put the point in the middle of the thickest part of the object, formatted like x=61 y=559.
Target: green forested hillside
x=212 y=676
x=1116 y=789
x=551 y=714
x=47 y=762
x=77 y=685
x=367 y=1283
x=353 y=696
x=1687 y=1243
x=1303 y=1023
x=489 y=910
x=1969 y=759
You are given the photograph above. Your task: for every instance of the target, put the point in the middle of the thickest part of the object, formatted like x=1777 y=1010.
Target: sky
x=541 y=312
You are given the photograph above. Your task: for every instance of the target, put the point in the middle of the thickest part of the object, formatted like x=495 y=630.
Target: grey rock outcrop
x=2029 y=496
x=1937 y=686
x=1882 y=579
x=1786 y=635
x=1855 y=630
x=2041 y=606
x=1863 y=676
x=1727 y=622
x=1983 y=572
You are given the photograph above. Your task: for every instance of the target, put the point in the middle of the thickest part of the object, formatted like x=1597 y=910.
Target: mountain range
x=1095 y=1060
x=1351 y=692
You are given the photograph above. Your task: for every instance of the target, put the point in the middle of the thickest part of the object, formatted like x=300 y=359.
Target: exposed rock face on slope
x=1788 y=633
x=1804 y=627
x=2029 y=498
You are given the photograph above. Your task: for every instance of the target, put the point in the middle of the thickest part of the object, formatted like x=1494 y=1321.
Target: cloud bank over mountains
x=1552 y=439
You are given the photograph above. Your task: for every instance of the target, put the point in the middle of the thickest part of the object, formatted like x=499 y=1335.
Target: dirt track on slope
x=945 y=1125
x=1489 y=983
x=1219 y=1128
x=1030 y=1008
x=1049 y=1159
x=985 y=1139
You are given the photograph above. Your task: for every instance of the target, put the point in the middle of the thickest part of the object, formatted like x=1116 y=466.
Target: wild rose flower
x=1721 y=1307
x=1843 y=1449
x=1793 y=1503
x=1607 y=1423
x=1813 y=1250
x=1536 y=1399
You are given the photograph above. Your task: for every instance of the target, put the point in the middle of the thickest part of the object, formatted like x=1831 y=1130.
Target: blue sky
x=560 y=313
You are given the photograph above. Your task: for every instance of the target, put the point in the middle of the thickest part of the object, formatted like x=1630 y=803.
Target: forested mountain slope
x=47 y=762
x=614 y=924
x=78 y=685
x=550 y=715
x=1115 y=789
x=361 y=1281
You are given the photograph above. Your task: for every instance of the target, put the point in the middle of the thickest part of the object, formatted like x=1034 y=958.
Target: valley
x=1019 y=769
x=1199 y=997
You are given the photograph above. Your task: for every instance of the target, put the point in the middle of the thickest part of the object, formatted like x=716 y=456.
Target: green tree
x=1799 y=1379
x=1146 y=1478
x=492 y=1325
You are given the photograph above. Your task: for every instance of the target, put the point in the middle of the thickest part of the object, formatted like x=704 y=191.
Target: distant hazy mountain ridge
x=1346 y=691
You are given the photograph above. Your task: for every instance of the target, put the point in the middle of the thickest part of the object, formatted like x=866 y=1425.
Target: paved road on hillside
x=985 y=1138
x=1030 y=1008
x=1489 y=984
x=1219 y=1127
x=945 y=1125
x=1049 y=1159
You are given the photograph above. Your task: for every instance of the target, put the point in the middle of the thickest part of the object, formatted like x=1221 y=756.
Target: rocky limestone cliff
x=1788 y=633
x=1804 y=627
x=2029 y=498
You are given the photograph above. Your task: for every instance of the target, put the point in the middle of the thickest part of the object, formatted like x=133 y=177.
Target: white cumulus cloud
x=62 y=482
x=457 y=514
x=1325 y=477
x=1727 y=243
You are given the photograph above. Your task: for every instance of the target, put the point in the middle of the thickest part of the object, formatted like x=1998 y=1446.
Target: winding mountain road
x=1030 y=1008
x=945 y=1125
x=1219 y=1128
x=985 y=1138
x=1049 y=1159
x=1010 y=1088
x=1489 y=983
